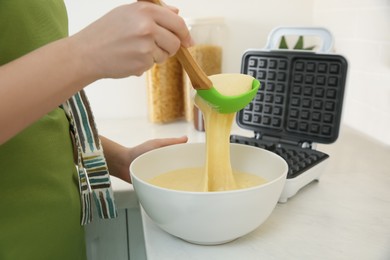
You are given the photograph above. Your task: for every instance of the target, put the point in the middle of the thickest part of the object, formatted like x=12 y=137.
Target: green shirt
x=39 y=196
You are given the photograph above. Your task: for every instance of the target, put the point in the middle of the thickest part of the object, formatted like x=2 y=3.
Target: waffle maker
x=298 y=105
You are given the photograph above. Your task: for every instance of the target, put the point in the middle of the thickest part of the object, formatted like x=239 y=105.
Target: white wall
x=362 y=32
x=248 y=24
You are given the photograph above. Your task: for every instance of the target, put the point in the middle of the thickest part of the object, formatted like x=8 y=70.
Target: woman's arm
x=126 y=41
x=119 y=157
x=38 y=82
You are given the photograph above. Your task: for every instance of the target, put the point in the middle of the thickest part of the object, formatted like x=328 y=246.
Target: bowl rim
x=208 y=193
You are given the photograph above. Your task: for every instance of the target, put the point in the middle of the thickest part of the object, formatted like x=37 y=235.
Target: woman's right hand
x=130 y=39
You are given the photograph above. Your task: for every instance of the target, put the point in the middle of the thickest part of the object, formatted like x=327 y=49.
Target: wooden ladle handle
x=198 y=77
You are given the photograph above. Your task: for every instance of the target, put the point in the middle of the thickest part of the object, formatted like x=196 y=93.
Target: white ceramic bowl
x=208 y=217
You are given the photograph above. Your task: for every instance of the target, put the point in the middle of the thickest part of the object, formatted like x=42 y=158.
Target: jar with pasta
x=209 y=36
x=165 y=92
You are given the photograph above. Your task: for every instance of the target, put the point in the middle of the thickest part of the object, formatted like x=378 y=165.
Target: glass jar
x=165 y=91
x=209 y=35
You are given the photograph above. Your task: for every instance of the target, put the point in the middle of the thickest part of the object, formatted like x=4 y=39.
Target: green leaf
x=283 y=43
x=299 y=44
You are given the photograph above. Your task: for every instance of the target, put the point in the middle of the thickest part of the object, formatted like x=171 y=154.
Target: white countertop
x=346 y=215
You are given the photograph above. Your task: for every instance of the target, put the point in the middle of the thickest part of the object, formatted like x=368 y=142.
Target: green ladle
x=204 y=87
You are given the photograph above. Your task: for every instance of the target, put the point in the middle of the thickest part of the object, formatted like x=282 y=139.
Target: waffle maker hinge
x=280 y=142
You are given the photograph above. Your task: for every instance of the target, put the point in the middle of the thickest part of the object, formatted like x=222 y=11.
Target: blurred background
x=361 y=29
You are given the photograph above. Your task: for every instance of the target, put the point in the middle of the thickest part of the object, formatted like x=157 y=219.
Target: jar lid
x=204 y=21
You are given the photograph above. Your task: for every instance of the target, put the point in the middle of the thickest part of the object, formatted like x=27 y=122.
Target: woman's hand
x=130 y=39
x=119 y=157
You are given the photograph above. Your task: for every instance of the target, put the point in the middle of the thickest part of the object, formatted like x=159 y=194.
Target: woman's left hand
x=119 y=157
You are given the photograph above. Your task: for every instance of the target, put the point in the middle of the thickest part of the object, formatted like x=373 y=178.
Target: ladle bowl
x=208 y=218
x=229 y=104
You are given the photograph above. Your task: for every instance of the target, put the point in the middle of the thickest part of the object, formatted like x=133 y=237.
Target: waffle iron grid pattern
x=300 y=99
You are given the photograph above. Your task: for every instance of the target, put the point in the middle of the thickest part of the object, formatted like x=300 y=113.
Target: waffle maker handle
x=323 y=33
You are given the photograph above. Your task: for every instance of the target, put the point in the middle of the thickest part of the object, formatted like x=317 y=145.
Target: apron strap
x=94 y=177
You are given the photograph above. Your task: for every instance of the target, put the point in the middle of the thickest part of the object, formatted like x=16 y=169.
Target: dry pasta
x=170 y=94
x=165 y=91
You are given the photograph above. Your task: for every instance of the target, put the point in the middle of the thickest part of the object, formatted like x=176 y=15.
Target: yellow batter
x=217 y=174
x=191 y=179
